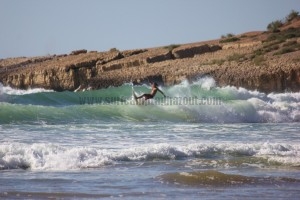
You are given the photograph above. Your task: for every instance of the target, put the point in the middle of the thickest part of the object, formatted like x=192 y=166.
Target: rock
x=135 y=60
x=191 y=51
x=128 y=53
x=77 y=52
x=241 y=45
x=160 y=57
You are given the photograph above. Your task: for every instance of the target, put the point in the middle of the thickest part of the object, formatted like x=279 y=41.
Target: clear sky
x=40 y=27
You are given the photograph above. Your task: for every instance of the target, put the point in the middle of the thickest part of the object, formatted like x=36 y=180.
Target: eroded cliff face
x=89 y=69
x=236 y=64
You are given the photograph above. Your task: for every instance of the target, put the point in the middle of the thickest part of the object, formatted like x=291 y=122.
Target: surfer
x=154 y=89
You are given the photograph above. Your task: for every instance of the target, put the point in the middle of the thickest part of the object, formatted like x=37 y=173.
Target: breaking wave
x=200 y=102
x=42 y=156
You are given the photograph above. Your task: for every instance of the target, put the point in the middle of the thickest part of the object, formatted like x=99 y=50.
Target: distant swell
x=200 y=102
x=214 y=178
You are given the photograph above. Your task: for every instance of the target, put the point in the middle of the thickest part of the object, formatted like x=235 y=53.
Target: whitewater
x=201 y=141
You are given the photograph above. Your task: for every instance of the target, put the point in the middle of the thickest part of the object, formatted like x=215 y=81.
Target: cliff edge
x=264 y=61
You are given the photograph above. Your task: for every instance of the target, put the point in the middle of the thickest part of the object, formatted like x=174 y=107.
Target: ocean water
x=201 y=142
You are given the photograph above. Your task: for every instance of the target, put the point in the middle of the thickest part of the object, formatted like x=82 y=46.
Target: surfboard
x=135 y=98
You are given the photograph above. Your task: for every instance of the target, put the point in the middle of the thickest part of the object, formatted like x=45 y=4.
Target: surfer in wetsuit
x=154 y=90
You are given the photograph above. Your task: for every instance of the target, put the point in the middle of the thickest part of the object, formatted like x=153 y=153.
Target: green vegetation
x=259 y=60
x=296 y=60
x=113 y=49
x=280 y=46
x=236 y=57
x=275 y=25
x=284 y=35
x=217 y=62
x=228 y=35
x=233 y=39
x=267 y=47
x=290 y=43
x=229 y=38
x=284 y=50
x=288 y=47
x=271 y=46
x=293 y=14
x=281 y=42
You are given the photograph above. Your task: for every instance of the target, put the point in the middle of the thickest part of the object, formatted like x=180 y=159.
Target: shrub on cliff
x=229 y=35
x=113 y=50
x=259 y=60
x=77 y=52
x=218 y=62
x=288 y=47
x=274 y=26
x=229 y=38
x=284 y=35
x=236 y=57
x=293 y=14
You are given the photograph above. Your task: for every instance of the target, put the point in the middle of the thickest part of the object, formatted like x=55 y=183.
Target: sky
x=42 y=27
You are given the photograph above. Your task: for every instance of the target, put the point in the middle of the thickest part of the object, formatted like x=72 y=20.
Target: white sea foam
x=238 y=104
x=206 y=83
x=55 y=157
x=11 y=91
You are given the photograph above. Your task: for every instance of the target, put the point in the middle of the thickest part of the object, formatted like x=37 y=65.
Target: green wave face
x=199 y=102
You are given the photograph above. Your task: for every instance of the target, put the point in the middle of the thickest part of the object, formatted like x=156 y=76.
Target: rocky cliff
x=268 y=62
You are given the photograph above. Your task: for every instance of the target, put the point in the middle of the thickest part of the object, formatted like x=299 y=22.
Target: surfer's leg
x=140 y=96
x=146 y=96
